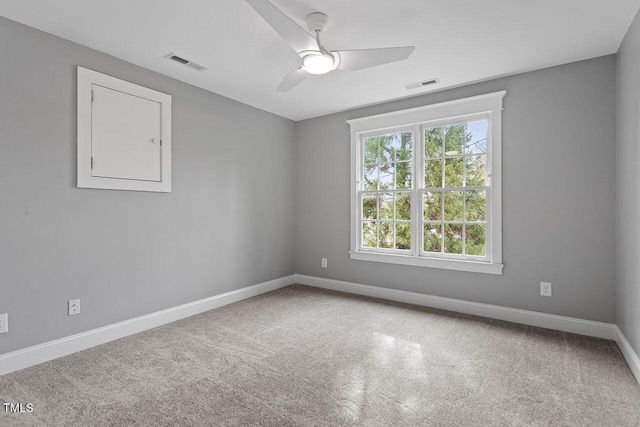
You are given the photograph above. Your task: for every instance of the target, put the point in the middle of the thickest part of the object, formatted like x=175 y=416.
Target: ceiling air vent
x=188 y=63
x=418 y=85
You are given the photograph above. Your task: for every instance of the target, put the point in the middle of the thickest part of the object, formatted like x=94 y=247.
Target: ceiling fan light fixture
x=318 y=63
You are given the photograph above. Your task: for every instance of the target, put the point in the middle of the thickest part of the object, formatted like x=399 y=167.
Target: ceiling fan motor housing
x=317 y=21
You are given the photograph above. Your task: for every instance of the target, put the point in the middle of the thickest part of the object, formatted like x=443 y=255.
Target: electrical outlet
x=324 y=263
x=74 y=307
x=4 y=323
x=545 y=289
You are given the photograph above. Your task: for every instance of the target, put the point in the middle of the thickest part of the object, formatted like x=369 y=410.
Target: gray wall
x=558 y=198
x=627 y=182
x=130 y=253
x=227 y=224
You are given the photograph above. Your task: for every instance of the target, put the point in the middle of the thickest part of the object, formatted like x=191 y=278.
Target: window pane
x=403 y=235
x=453 y=238
x=476 y=205
x=403 y=175
x=433 y=174
x=433 y=237
x=476 y=171
x=453 y=172
x=403 y=206
x=369 y=234
x=404 y=146
x=477 y=137
x=433 y=143
x=453 y=205
x=454 y=139
x=386 y=234
x=370 y=177
x=476 y=237
x=432 y=206
x=387 y=148
x=371 y=150
x=386 y=206
x=369 y=207
x=386 y=176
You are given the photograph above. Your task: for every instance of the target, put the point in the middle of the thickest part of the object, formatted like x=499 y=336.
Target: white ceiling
x=457 y=41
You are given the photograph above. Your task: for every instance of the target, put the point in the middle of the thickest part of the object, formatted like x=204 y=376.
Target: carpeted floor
x=308 y=357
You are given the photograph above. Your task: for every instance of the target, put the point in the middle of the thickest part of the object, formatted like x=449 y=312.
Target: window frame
x=489 y=107
x=403 y=252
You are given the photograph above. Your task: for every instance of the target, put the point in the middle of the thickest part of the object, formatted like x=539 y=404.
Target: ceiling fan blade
x=291 y=32
x=292 y=79
x=352 y=60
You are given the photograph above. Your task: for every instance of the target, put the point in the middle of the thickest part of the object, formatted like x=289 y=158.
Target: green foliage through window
x=386 y=209
x=455 y=172
x=454 y=190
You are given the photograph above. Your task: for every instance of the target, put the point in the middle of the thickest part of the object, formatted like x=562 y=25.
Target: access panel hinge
x=92 y=163
x=91 y=95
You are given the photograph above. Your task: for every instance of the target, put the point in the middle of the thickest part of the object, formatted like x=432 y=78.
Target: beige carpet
x=301 y=356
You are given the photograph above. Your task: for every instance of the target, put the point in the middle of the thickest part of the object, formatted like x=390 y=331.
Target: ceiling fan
x=315 y=58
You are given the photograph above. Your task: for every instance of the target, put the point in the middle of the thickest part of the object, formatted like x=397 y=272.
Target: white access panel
x=124 y=135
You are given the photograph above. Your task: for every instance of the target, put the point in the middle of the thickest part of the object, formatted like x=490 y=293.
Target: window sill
x=448 y=264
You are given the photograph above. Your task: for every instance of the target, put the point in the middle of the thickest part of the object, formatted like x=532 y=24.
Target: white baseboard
x=526 y=317
x=629 y=354
x=19 y=359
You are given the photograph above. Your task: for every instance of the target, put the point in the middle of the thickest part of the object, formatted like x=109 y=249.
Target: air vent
x=418 y=85
x=178 y=59
x=188 y=63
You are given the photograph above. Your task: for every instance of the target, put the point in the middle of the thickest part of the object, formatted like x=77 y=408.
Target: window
x=427 y=186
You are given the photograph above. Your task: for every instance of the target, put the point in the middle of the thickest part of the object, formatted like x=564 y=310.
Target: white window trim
x=489 y=105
